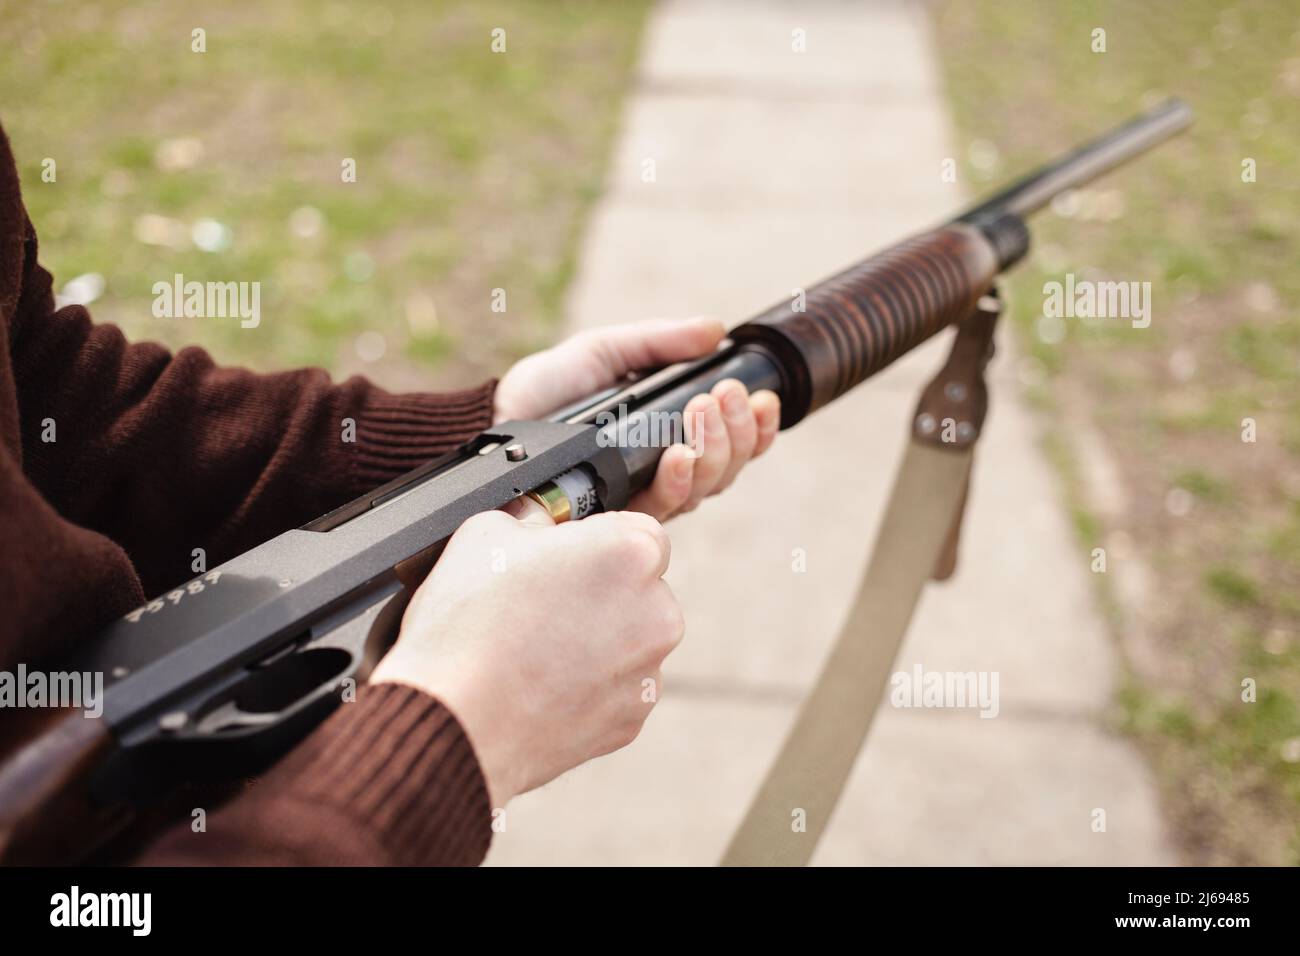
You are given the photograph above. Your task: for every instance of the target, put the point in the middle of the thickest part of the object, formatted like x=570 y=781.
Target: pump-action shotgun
x=221 y=676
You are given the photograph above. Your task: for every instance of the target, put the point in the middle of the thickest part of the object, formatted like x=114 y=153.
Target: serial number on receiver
x=197 y=586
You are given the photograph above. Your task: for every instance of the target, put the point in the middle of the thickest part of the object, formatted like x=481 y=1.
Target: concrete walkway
x=772 y=170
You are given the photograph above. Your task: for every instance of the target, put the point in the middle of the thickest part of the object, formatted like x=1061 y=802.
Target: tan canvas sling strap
x=917 y=541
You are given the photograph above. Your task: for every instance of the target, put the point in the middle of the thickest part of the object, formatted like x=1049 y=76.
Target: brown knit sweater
x=156 y=455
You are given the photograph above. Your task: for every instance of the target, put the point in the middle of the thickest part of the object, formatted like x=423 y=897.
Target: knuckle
x=644 y=521
x=711 y=463
x=745 y=439
x=714 y=458
x=677 y=496
x=643 y=549
x=661 y=625
x=673 y=623
x=629 y=730
x=639 y=544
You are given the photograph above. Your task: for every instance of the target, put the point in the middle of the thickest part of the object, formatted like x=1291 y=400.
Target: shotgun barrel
x=1086 y=163
x=855 y=323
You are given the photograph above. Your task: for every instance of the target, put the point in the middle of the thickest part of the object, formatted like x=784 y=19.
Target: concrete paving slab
x=851 y=50
x=930 y=788
x=720 y=150
x=671 y=799
x=936 y=788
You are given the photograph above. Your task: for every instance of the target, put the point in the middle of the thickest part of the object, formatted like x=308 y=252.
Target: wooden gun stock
x=46 y=814
x=857 y=322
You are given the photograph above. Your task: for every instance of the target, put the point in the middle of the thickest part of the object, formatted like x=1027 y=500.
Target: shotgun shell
x=568 y=497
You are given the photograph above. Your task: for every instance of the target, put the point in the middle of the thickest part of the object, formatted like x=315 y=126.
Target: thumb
x=528 y=512
x=638 y=345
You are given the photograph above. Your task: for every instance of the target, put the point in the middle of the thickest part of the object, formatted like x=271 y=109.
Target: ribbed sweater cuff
x=398 y=763
x=396 y=433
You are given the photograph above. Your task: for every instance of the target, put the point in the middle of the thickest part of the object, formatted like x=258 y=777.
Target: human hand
x=728 y=425
x=542 y=678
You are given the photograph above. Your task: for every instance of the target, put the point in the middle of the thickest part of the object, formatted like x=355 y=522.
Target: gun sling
x=917 y=540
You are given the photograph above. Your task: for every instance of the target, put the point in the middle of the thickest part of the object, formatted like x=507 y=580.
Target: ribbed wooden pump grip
x=857 y=322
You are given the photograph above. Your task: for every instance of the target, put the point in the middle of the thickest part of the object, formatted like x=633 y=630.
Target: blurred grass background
x=474 y=168
x=1217 y=520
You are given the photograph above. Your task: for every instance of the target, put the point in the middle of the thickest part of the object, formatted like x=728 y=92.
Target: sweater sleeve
x=115 y=454
x=390 y=780
x=168 y=453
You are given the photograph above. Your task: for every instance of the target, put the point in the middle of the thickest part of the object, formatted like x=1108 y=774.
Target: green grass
x=1170 y=400
x=1203 y=485
x=1232 y=587
x=475 y=169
